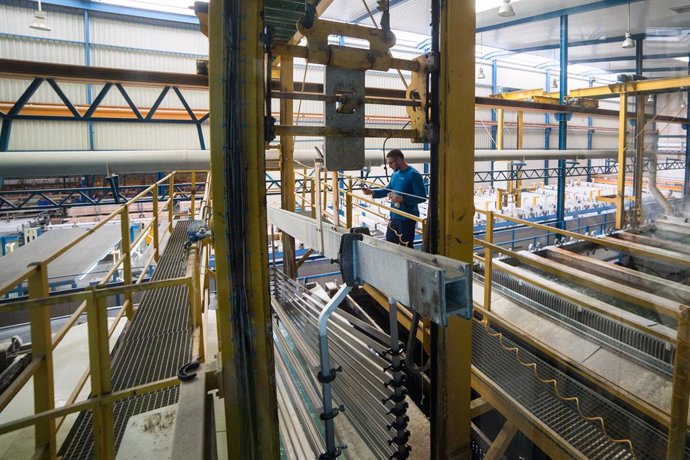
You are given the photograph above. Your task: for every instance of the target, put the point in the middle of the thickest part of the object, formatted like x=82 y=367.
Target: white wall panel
x=48 y=135
x=26 y=49
x=106 y=31
x=133 y=136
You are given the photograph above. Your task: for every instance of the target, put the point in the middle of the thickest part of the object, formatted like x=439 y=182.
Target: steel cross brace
x=434 y=286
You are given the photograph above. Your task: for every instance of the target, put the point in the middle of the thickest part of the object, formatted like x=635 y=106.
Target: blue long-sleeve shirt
x=410 y=186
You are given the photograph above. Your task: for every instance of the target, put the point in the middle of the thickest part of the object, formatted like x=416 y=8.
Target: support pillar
x=686 y=182
x=451 y=346
x=287 y=164
x=620 y=193
x=562 y=123
x=639 y=138
x=236 y=93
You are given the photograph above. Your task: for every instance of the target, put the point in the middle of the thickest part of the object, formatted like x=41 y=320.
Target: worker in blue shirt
x=405 y=191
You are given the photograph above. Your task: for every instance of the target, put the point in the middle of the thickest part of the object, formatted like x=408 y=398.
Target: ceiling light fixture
x=650 y=98
x=506 y=9
x=554 y=84
x=628 y=42
x=39 y=22
x=480 y=74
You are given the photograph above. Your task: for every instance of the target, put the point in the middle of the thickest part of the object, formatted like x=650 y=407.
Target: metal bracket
x=432 y=285
x=347 y=258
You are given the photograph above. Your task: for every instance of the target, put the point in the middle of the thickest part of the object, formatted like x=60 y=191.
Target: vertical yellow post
x=236 y=95
x=101 y=382
x=192 y=214
x=451 y=346
x=287 y=163
x=324 y=184
x=336 y=199
x=304 y=188
x=126 y=254
x=312 y=195
x=516 y=188
x=348 y=203
x=41 y=348
x=622 y=131
x=680 y=389
x=171 y=202
x=488 y=263
x=500 y=125
x=156 y=236
x=639 y=159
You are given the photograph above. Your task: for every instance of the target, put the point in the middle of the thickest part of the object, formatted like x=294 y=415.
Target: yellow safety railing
x=676 y=420
x=345 y=199
x=48 y=419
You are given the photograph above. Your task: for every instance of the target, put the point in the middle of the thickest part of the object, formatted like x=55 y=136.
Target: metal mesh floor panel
x=538 y=398
x=154 y=346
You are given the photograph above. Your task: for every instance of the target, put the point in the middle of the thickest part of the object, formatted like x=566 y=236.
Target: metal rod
x=328 y=412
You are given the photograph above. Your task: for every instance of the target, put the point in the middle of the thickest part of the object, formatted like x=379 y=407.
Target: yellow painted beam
x=42 y=349
x=287 y=164
x=620 y=183
x=632 y=87
x=244 y=321
x=450 y=398
x=519 y=95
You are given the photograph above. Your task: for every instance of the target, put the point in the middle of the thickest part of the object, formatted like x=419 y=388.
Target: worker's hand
x=367 y=190
x=395 y=198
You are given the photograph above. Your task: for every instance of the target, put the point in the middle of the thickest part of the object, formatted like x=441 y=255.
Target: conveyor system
x=157 y=343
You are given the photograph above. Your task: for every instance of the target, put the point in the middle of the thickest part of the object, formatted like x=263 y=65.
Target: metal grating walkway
x=520 y=382
x=154 y=346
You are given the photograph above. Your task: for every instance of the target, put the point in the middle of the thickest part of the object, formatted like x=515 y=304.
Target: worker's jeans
x=401 y=232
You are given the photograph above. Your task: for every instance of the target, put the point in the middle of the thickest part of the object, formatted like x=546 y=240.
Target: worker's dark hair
x=395 y=153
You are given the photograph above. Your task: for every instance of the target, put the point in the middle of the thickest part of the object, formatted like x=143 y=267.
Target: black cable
x=383 y=149
x=409 y=350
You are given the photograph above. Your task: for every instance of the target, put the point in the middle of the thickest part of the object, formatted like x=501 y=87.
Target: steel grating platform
x=153 y=347
x=538 y=398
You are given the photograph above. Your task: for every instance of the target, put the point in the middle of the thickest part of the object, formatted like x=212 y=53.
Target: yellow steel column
x=520 y=129
x=622 y=131
x=101 y=381
x=126 y=254
x=336 y=199
x=171 y=202
x=500 y=125
x=192 y=197
x=287 y=164
x=450 y=424
x=680 y=389
x=348 y=204
x=156 y=236
x=42 y=348
x=236 y=92
x=312 y=195
x=488 y=262
x=639 y=159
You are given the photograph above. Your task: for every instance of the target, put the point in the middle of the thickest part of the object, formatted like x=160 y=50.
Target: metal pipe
x=654 y=190
x=65 y=163
x=328 y=412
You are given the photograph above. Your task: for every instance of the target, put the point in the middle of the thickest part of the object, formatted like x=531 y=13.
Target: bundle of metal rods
x=360 y=349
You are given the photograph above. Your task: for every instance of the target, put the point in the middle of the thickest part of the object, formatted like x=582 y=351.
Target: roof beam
x=628 y=58
x=124 y=11
x=557 y=14
x=555 y=46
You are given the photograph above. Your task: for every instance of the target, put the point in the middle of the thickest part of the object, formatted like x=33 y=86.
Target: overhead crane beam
x=11 y=68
